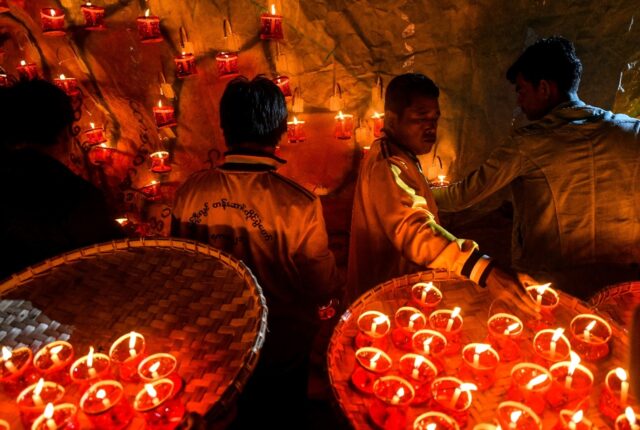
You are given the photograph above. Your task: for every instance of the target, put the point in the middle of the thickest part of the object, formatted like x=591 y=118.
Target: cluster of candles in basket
x=40 y=382
x=402 y=363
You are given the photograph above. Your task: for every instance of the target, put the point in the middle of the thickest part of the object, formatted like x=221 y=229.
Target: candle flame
x=92 y=125
x=631 y=416
x=380 y=319
x=23 y=63
x=39 y=387
x=375 y=358
x=400 y=392
x=556 y=334
x=150 y=390
x=432 y=426
x=414 y=317
x=48 y=411
x=56 y=349
x=515 y=416
x=537 y=380
x=621 y=374
x=428 y=287
x=90 y=357
x=340 y=115
x=455 y=312
x=577 y=417
x=62 y=77
x=441 y=178
x=52 y=12
x=101 y=394
x=467 y=386
x=89 y=3
x=418 y=362
x=482 y=347
x=295 y=120
x=103 y=145
x=512 y=327
x=273 y=9
x=427 y=342
x=591 y=325
x=540 y=289
x=6 y=353
x=575 y=360
x=132 y=339
x=153 y=182
x=377 y=115
x=159 y=103
x=146 y=13
x=184 y=53
x=154 y=367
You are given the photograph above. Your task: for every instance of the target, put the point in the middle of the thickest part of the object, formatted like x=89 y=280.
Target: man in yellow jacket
x=394 y=228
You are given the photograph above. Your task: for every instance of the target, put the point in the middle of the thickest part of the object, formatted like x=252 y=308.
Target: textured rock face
x=465 y=46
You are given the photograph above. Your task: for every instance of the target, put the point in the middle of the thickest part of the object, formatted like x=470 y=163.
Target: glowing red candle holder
x=546 y=300
x=95 y=135
x=160 y=162
x=164 y=115
x=373 y=326
x=590 y=336
x=152 y=190
x=378 y=124
x=283 y=82
x=4 y=80
x=27 y=71
x=33 y=399
x=529 y=384
x=149 y=28
x=573 y=420
x=227 y=63
x=479 y=364
x=101 y=154
x=615 y=395
x=550 y=346
x=106 y=407
x=157 y=403
x=628 y=421
x=571 y=384
x=128 y=351
x=295 y=131
x=430 y=343
x=93 y=17
x=373 y=362
x=440 y=183
x=516 y=416
x=52 y=22
x=449 y=323
x=17 y=372
x=54 y=360
x=505 y=330
x=344 y=126
x=271 y=25
x=160 y=366
x=388 y=409
x=426 y=295
x=408 y=320
x=60 y=417
x=419 y=371
x=453 y=397
x=68 y=85
x=185 y=65
x=435 y=421
x=91 y=368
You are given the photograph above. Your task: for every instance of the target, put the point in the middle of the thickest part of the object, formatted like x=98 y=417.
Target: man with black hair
x=394 y=228
x=277 y=228
x=574 y=173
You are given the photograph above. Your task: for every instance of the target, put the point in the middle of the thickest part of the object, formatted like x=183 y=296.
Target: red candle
x=53 y=361
x=93 y=17
x=283 y=83
x=516 y=416
x=550 y=346
x=295 y=131
x=479 y=364
x=164 y=115
x=271 y=25
x=60 y=417
x=378 y=123
x=504 y=332
x=449 y=323
x=101 y=154
x=374 y=324
x=17 y=372
x=408 y=320
x=435 y=421
x=430 y=343
x=152 y=190
x=426 y=295
x=52 y=21
x=128 y=351
x=453 y=397
x=573 y=420
x=160 y=366
x=160 y=162
x=90 y=368
x=149 y=28
x=393 y=394
x=95 y=136
x=571 y=384
x=615 y=393
x=68 y=85
x=628 y=421
x=227 y=63
x=418 y=369
x=32 y=400
x=590 y=336
x=546 y=299
x=27 y=71
x=344 y=126
x=440 y=183
x=106 y=407
x=529 y=384
x=4 y=80
x=373 y=359
x=185 y=65
x=160 y=408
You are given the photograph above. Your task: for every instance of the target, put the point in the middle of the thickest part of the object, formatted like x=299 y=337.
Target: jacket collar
x=255 y=161
x=573 y=111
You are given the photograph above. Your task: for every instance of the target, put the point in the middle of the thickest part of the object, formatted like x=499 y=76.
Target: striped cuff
x=477 y=268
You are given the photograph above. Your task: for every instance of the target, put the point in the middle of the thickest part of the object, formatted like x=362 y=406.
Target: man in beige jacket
x=574 y=173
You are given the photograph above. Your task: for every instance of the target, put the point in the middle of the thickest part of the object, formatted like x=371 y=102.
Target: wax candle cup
x=529 y=383
x=373 y=326
x=4 y=80
x=93 y=17
x=101 y=154
x=283 y=83
x=417 y=368
x=430 y=343
x=441 y=182
x=571 y=384
x=392 y=393
x=435 y=421
x=504 y=332
x=546 y=300
x=152 y=190
x=52 y=21
x=373 y=359
x=408 y=320
x=68 y=85
x=149 y=28
x=27 y=71
x=573 y=420
x=590 y=336
x=157 y=403
x=479 y=364
x=426 y=295
x=128 y=351
x=95 y=135
x=106 y=407
x=517 y=416
x=449 y=323
x=17 y=372
x=616 y=394
x=53 y=361
x=185 y=65
x=378 y=124
x=90 y=368
x=164 y=115
x=550 y=346
x=33 y=399
x=628 y=421
x=160 y=366
x=295 y=131
x=344 y=126
x=271 y=25
x=160 y=162
x=453 y=397
x=59 y=417
x=227 y=64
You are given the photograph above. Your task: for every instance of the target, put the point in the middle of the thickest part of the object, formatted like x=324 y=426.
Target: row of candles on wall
x=554 y=378
x=39 y=382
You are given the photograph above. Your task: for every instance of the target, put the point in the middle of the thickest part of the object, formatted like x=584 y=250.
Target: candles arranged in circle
x=54 y=360
x=160 y=162
x=378 y=124
x=283 y=82
x=573 y=420
x=505 y=331
x=571 y=384
x=68 y=85
x=616 y=395
x=91 y=368
x=590 y=335
x=628 y=421
x=227 y=64
x=95 y=135
x=149 y=28
x=164 y=116
x=17 y=372
x=127 y=352
x=58 y=417
x=529 y=384
x=449 y=323
x=93 y=17
x=106 y=407
x=52 y=21
x=517 y=416
x=33 y=399
x=185 y=65
x=435 y=421
x=295 y=131
x=479 y=364
x=161 y=409
x=27 y=71
x=160 y=366
x=271 y=25
x=551 y=346
x=344 y=126
x=426 y=295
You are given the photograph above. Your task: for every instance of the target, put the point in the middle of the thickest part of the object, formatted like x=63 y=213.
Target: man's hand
x=509 y=287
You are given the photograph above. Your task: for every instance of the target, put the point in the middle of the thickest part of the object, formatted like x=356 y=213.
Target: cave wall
x=465 y=46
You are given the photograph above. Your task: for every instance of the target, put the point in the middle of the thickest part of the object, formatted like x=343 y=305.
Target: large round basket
x=618 y=301
x=477 y=305
x=187 y=299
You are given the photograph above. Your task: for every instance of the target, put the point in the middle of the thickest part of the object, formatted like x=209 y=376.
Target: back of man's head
x=551 y=59
x=404 y=89
x=34 y=112
x=253 y=112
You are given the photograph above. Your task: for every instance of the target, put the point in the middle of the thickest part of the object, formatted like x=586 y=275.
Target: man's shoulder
x=292 y=187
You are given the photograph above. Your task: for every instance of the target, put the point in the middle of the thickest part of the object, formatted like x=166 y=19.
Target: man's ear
x=390 y=121
x=547 y=89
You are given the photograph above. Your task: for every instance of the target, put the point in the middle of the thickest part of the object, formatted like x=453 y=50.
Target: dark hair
x=403 y=89
x=253 y=111
x=33 y=112
x=552 y=59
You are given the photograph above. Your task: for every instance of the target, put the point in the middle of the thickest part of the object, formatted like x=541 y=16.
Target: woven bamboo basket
x=187 y=299
x=618 y=301
x=477 y=305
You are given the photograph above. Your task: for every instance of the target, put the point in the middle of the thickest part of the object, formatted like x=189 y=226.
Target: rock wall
x=465 y=46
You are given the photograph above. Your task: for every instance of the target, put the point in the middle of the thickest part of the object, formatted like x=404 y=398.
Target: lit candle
x=157 y=403
x=553 y=345
x=413 y=319
x=591 y=335
x=344 y=126
x=575 y=360
x=63 y=416
x=537 y=380
x=68 y=85
x=433 y=420
x=624 y=385
x=427 y=344
x=102 y=394
x=159 y=162
x=227 y=63
x=90 y=369
x=398 y=396
x=149 y=28
x=283 y=83
x=511 y=328
x=95 y=135
x=164 y=115
x=154 y=369
x=54 y=360
x=374 y=324
x=271 y=25
x=128 y=352
x=373 y=359
x=27 y=71
x=185 y=65
x=587 y=331
x=159 y=366
x=514 y=417
x=426 y=295
x=54 y=354
x=105 y=405
x=479 y=349
x=415 y=373
x=52 y=21
x=452 y=318
x=6 y=358
x=631 y=420
x=93 y=17
x=378 y=124
x=101 y=154
x=37 y=400
x=295 y=130
x=575 y=419
x=48 y=414
x=464 y=387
